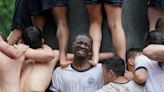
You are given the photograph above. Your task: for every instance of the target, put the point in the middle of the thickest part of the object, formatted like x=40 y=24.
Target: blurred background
x=6 y=13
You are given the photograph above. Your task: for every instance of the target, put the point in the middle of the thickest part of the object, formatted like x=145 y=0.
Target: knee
x=96 y=20
x=115 y=25
x=61 y=21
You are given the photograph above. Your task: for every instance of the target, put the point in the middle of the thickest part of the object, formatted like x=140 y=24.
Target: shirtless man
x=35 y=71
x=10 y=68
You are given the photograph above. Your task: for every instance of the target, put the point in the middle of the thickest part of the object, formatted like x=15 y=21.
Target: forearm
x=39 y=55
x=106 y=55
x=155 y=52
x=10 y=50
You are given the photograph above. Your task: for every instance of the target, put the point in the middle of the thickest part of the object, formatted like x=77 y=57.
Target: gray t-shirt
x=155 y=79
x=70 y=80
x=130 y=86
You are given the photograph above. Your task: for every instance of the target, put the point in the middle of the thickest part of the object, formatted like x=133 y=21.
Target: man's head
x=113 y=68
x=32 y=37
x=3 y=36
x=160 y=24
x=155 y=37
x=82 y=47
x=131 y=54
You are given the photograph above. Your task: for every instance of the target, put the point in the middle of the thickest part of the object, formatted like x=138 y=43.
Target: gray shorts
x=116 y=2
x=48 y=4
x=156 y=3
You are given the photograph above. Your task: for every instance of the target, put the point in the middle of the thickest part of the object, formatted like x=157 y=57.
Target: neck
x=120 y=79
x=131 y=68
x=81 y=64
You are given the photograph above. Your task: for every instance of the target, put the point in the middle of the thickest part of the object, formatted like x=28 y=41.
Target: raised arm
x=155 y=52
x=12 y=51
x=42 y=55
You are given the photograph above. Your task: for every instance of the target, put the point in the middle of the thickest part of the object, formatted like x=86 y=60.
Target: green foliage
x=6 y=13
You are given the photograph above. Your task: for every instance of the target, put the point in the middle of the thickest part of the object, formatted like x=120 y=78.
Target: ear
x=110 y=74
x=131 y=61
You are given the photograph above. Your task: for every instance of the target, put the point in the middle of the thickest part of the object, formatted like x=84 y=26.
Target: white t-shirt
x=130 y=86
x=70 y=80
x=155 y=80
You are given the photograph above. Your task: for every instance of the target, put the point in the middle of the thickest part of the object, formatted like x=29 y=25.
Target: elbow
x=147 y=52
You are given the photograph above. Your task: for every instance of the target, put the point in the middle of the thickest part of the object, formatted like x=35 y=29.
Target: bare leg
x=39 y=22
x=95 y=15
x=153 y=15
x=114 y=22
x=14 y=36
x=60 y=16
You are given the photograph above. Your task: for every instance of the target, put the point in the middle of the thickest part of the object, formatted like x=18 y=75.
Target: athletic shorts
x=48 y=4
x=22 y=16
x=35 y=7
x=156 y=3
x=116 y=2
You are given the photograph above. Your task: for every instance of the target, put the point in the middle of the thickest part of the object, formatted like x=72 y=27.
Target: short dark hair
x=155 y=37
x=160 y=24
x=3 y=36
x=32 y=36
x=132 y=52
x=116 y=64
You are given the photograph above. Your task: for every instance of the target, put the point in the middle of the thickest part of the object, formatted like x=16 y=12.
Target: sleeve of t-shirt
x=140 y=62
x=55 y=82
x=101 y=76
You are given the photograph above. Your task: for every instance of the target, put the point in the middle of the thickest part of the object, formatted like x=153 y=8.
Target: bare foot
x=65 y=63
x=94 y=61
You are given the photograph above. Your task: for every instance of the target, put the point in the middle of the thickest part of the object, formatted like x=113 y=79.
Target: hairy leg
x=114 y=22
x=153 y=15
x=60 y=16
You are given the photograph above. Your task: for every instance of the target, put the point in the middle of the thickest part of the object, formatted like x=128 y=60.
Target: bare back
x=36 y=77
x=10 y=73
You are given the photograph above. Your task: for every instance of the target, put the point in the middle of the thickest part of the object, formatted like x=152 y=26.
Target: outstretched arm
x=105 y=55
x=155 y=52
x=42 y=55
